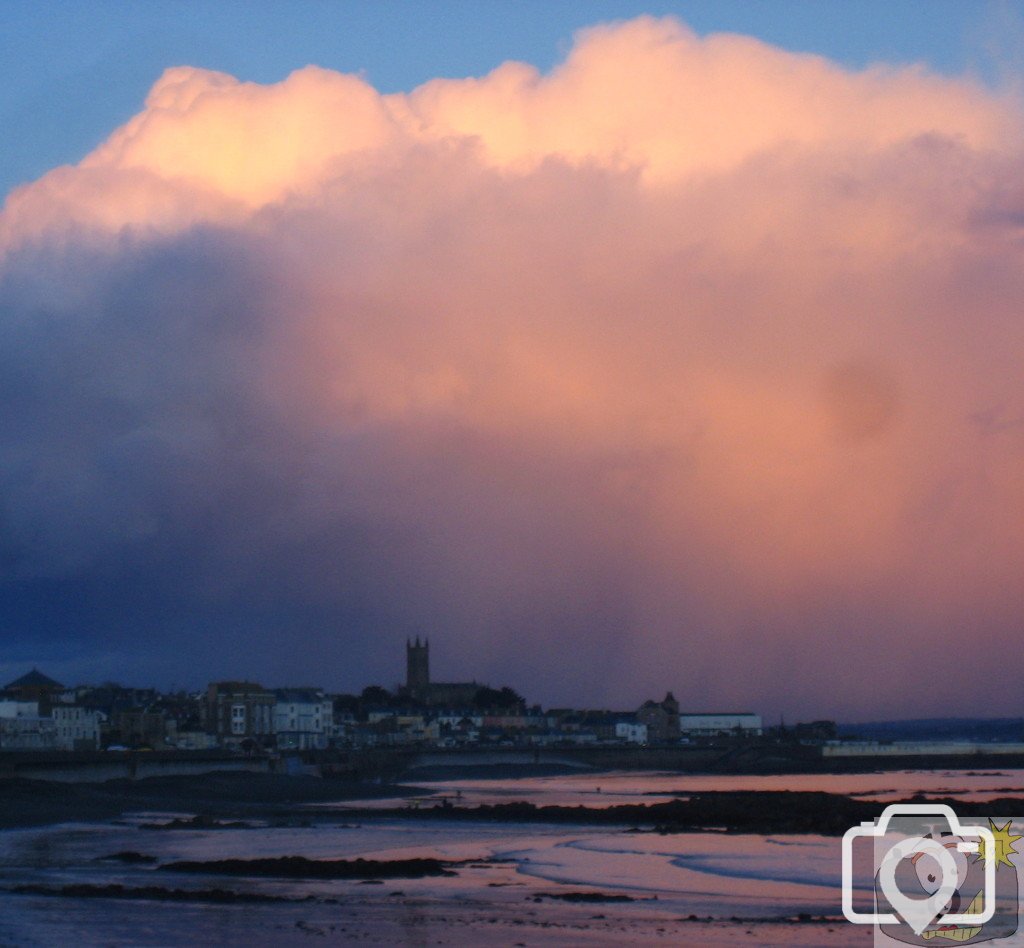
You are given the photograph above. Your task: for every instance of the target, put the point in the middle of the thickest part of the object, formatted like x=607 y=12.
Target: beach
x=544 y=860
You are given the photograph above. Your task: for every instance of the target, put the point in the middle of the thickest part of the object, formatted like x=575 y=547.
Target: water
x=627 y=787
x=506 y=894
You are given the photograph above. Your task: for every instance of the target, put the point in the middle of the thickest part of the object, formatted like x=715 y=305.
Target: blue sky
x=74 y=70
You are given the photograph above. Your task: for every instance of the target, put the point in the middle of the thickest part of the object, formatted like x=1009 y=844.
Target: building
x=417 y=669
x=12 y=708
x=720 y=724
x=34 y=686
x=240 y=713
x=630 y=731
x=420 y=689
x=23 y=728
x=455 y=728
x=76 y=727
x=138 y=727
x=661 y=719
x=27 y=733
x=303 y=718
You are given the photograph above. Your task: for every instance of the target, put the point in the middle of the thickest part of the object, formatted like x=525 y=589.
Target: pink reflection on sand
x=615 y=789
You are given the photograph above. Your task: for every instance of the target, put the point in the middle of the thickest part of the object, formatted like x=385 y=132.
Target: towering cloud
x=693 y=364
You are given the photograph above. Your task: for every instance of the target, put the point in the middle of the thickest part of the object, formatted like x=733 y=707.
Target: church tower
x=417 y=668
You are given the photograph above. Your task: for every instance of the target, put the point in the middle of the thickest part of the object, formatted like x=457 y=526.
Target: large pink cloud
x=693 y=365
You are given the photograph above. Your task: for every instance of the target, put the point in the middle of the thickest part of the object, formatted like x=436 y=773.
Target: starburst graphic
x=1004 y=841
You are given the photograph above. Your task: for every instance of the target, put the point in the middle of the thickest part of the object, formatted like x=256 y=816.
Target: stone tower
x=417 y=668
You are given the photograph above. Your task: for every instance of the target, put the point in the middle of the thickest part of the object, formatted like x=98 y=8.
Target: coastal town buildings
x=721 y=724
x=240 y=713
x=22 y=727
x=661 y=719
x=76 y=727
x=419 y=687
x=303 y=718
x=39 y=713
x=632 y=732
x=34 y=686
x=142 y=727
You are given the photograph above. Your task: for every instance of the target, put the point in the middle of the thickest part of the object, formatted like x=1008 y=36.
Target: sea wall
x=922 y=748
x=386 y=765
x=99 y=766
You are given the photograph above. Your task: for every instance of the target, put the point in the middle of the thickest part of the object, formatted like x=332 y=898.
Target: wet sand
x=39 y=802
x=557 y=875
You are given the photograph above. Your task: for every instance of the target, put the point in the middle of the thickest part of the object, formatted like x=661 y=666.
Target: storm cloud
x=694 y=364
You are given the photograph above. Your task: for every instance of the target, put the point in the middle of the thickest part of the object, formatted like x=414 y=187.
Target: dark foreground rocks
x=129 y=857
x=587 y=897
x=740 y=811
x=298 y=867
x=151 y=892
x=238 y=801
x=214 y=796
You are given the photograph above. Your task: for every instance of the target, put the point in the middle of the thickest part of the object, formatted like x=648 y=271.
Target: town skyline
x=39 y=713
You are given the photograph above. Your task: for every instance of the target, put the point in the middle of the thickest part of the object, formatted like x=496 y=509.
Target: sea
x=514 y=883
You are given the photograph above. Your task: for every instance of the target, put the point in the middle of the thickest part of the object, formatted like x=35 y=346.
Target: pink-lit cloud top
x=694 y=364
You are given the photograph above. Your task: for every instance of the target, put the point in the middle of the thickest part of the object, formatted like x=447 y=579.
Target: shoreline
x=219 y=795
x=261 y=859
x=229 y=799
x=755 y=812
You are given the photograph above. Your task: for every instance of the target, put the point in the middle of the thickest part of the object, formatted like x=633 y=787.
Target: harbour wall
x=411 y=764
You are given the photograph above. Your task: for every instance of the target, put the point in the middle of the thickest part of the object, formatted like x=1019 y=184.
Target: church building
x=419 y=687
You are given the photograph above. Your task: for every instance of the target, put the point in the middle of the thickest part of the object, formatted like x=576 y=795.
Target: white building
x=720 y=724
x=23 y=728
x=632 y=732
x=10 y=708
x=303 y=719
x=76 y=728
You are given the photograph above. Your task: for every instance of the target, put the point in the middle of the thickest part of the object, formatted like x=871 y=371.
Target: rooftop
x=34 y=679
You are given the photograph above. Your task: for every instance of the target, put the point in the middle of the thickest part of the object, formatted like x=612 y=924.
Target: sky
x=616 y=348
